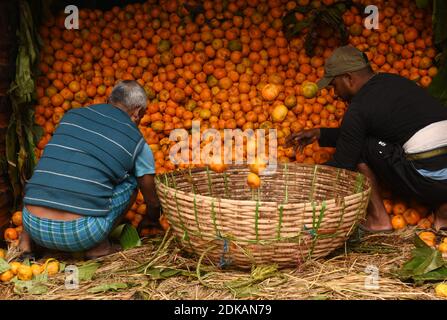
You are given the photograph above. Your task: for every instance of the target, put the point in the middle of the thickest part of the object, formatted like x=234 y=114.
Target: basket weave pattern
x=299 y=212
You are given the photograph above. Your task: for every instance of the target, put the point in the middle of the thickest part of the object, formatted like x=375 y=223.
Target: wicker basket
x=299 y=212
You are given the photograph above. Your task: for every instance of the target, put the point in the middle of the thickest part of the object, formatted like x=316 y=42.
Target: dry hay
x=340 y=276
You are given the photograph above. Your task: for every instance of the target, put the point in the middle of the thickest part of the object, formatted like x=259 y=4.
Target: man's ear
x=349 y=79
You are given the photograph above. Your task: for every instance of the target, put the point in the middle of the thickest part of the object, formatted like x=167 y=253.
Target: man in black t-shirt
x=393 y=132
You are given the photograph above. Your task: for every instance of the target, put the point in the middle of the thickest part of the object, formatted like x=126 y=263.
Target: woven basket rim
x=366 y=187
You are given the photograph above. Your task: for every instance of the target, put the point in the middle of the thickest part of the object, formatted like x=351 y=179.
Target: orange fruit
x=398 y=222
x=411 y=216
x=17 y=218
x=142 y=209
x=257 y=166
x=388 y=204
x=52 y=267
x=424 y=223
x=443 y=247
x=218 y=167
x=270 y=92
x=140 y=198
x=15 y=265
x=399 y=208
x=279 y=113
x=6 y=276
x=164 y=222
x=309 y=89
x=428 y=237
x=36 y=269
x=11 y=234
x=2 y=253
x=441 y=290
x=253 y=180
x=145 y=232
x=24 y=273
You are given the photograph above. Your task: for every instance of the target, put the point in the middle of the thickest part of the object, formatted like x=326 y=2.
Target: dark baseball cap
x=342 y=60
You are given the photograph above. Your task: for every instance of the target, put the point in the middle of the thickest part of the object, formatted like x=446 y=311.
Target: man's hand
x=146 y=184
x=301 y=139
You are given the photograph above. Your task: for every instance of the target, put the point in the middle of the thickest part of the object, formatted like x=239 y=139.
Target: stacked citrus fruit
x=228 y=66
x=137 y=212
x=13 y=232
x=26 y=271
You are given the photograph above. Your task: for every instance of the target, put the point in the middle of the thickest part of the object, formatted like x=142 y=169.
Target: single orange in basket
x=253 y=180
x=218 y=167
x=257 y=166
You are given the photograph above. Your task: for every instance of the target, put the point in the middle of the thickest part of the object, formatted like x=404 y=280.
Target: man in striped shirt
x=88 y=175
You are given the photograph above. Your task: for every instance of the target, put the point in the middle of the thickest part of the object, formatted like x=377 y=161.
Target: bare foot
x=440 y=222
x=375 y=224
x=102 y=249
x=377 y=219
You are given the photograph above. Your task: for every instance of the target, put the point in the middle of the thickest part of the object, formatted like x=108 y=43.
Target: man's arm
x=145 y=173
x=146 y=184
x=350 y=142
x=328 y=137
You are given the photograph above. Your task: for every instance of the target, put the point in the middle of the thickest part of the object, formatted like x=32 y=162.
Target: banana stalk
x=22 y=135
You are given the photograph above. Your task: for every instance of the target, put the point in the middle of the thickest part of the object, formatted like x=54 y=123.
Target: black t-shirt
x=388 y=107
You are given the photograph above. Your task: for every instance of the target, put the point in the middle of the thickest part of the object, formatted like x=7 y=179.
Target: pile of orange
x=26 y=272
x=430 y=239
x=404 y=213
x=136 y=214
x=229 y=67
x=13 y=232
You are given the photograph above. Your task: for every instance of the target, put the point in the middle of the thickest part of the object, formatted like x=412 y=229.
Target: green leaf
x=108 y=287
x=4 y=266
x=116 y=233
x=130 y=238
x=439 y=274
x=30 y=287
x=245 y=292
x=164 y=273
x=426 y=262
x=43 y=277
x=430 y=263
x=86 y=272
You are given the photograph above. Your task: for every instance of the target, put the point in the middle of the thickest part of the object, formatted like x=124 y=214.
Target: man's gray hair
x=129 y=94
